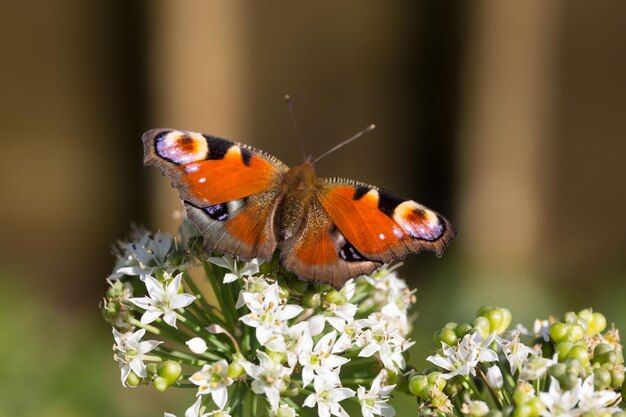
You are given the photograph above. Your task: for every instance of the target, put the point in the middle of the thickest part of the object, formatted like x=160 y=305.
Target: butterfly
x=248 y=203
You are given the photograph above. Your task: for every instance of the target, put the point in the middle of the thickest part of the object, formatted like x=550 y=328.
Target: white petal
x=138 y=367
x=147 y=345
x=288 y=312
x=220 y=396
x=310 y=401
x=248 y=320
x=197 y=345
x=194 y=410
x=182 y=300
x=150 y=315
x=142 y=302
x=369 y=350
x=316 y=324
x=230 y=277
x=223 y=262
x=155 y=288
x=333 y=361
x=273 y=397
x=170 y=318
x=263 y=334
x=307 y=376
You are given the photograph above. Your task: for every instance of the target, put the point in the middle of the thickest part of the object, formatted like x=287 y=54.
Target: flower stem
x=208 y=308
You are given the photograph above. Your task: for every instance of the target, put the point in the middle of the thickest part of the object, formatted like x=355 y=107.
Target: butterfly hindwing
x=319 y=252
x=229 y=189
x=380 y=225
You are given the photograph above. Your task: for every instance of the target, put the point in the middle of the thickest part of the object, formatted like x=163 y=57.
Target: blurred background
x=507 y=117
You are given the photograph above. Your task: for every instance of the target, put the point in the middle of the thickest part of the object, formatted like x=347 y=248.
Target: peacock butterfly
x=247 y=203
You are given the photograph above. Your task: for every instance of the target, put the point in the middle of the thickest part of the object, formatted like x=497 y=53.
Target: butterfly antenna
x=292 y=116
x=345 y=142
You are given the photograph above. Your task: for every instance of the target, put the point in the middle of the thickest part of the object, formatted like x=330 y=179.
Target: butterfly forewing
x=229 y=189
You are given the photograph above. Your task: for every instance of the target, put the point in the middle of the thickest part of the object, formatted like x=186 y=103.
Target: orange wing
x=319 y=252
x=380 y=225
x=229 y=189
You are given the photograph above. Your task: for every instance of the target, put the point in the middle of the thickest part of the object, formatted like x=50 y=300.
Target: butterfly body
x=248 y=203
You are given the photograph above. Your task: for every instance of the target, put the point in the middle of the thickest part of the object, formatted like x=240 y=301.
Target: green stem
x=208 y=308
x=179 y=356
x=222 y=298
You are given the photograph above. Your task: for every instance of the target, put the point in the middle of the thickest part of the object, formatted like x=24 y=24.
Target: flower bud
x=335 y=297
x=169 y=370
x=133 y=379
x=311 y=298
x=506 y=319
x=197 y=345
x=151 y=369
x=597 y=324
x=559 y=332
x=436 y=381
x=601 y=379
x=418 y=385
x=579 y=352
x=235 y=370
x=617 y=376
x=496 y=318
x=494 y=377
x=482 y=324
x=475 y=409
x=161 y=384
x=292 y=390
x=462 y=329
x=577 y=332
x=448 y=336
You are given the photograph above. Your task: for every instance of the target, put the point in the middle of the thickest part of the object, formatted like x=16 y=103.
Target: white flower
x=213 y=379
x=596 y=402
x=267 y=314
x=494 y=377
x=559 y=402
x=515 y=351
x=144 y=255
x=269 y=377
x=321 y=359
x=194 y=411
x=129 y=352
x=162 y=300
x=237 y=268
x=327 y=397
x=536 y=366
x=386 y=340
x=197 y=345
x=463 y=358
x=374 y=402
x=475 y=408
x=294 y=341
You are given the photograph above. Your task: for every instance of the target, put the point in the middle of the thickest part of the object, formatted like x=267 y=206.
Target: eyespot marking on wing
x=418 y=222
x=181 y=147
x=350 y=254
x=387 y=202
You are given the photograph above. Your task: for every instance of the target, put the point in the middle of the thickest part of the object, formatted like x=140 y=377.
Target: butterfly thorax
x=299 y=190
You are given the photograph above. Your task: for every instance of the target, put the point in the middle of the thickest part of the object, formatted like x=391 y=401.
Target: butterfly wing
x=229 y=189
x=319 y=252
x=380 y=226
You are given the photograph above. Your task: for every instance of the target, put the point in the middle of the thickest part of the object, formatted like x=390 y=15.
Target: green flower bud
x=617 y=376
x=482 y=325
x=574 y=364
x=597 y=324
x=496 y=318
x=133 y=379
x=448 y=336
x=335 y=297
x=506 y=319
x=523 y=410
x=161 y=384
x=607 y=357
x=152 y=369
x=419 y=386
x=563 y=349
x=577 y=332
x=585 y=314
x=568 y=380
x=462 y=329
x=600 y=349
x=435 y=381
x=482 y=311
x=570 y=317
x=453 y=386
x=522 y=393
x=559 y=332
x=557 y=370
x=235 y=370
x=579 y=352
x=311 y=298
x=169 y=370
x=439 y=400
x=601 y=379
x=292 y=390
x=536 y=405
x=451 y=325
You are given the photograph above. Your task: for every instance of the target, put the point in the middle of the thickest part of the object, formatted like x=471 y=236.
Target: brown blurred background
x=507 y=117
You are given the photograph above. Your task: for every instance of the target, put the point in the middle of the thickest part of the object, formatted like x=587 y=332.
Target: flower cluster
x=566 y=367
x=249 y=337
